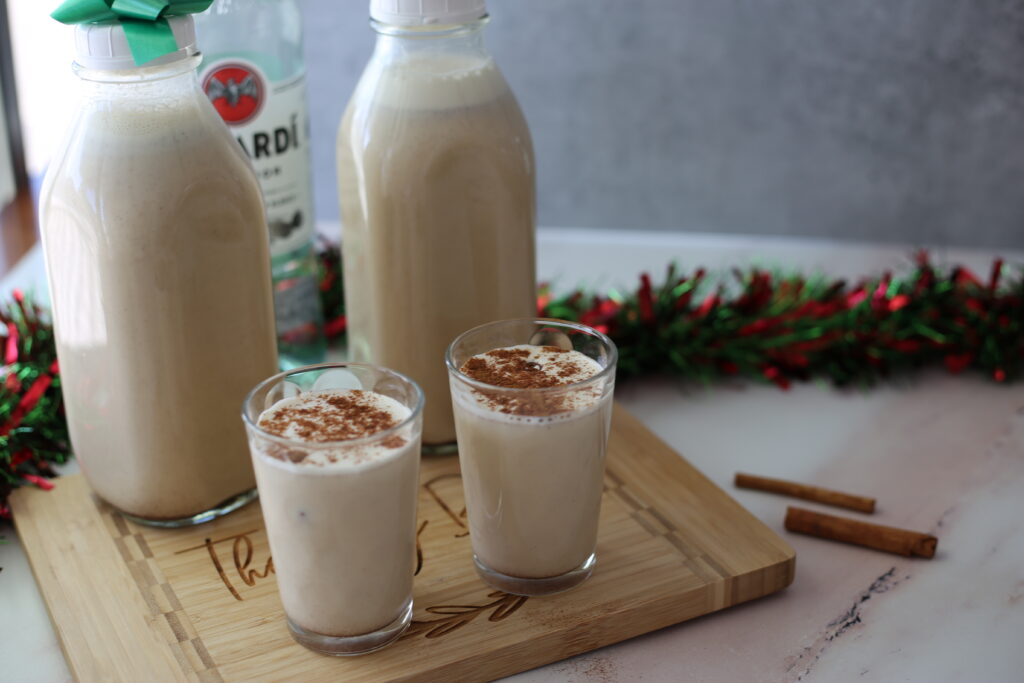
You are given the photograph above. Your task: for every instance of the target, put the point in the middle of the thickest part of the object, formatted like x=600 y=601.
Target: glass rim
x=414 y=412
x=609 y=369
x=428 y=30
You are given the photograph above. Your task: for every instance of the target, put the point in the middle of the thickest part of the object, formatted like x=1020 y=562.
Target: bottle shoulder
x=498 y=122
x=147 y=153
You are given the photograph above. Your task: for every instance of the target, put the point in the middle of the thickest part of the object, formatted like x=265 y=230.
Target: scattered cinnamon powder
x=510 y=367
x=284 y=453
x=531 y=367
x=393 y=442
x=335 y=417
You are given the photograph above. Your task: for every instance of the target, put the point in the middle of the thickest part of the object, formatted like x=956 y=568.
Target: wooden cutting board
x=133 y=603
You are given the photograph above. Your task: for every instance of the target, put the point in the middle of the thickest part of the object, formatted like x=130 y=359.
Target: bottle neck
x=408 y=42
x=170 y=80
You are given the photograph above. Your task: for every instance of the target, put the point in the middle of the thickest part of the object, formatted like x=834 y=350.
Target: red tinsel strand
x=20 y=457
x=775 y=375
x=997 y=270
x=11 y=352
x=329 y=279
x=38 y=481
x=28 y=317
x=958 y=362
x=706 y=306
x=964 y=277
x=27 y=403
x=543 y=299
x=897 y=302
x=856 y=297
x=646 y=299
x=336 y=327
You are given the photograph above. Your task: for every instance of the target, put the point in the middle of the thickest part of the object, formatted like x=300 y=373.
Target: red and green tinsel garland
x=783 y=327
x=769 y=326
x=33 y=432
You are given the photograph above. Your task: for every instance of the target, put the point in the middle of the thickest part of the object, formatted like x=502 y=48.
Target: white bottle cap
x=427 y=12
x=104 y=46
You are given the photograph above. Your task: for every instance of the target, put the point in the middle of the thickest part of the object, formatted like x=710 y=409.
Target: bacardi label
x=270 y=122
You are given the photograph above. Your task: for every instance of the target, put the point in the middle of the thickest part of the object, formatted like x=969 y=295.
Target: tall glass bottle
x=254 y=74
x=156 y=254
x=437 y=189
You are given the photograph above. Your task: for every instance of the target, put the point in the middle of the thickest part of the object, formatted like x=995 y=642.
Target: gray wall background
x=891 y=120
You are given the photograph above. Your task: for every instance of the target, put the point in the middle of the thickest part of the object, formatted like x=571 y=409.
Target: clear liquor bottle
x=254 y=74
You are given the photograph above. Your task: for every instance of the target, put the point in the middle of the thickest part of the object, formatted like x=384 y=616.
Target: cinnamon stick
x=886 y=538
x=806 y=492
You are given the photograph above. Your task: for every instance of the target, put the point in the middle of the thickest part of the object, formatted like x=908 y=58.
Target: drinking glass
x=533 y=459
x=340 y=515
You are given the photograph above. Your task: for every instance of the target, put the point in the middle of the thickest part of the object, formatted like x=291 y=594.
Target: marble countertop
x=942 y=454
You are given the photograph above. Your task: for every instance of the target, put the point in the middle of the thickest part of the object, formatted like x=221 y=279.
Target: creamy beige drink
x=156 y=253
x=532 y=451
x=338 y=479
x=436 y=178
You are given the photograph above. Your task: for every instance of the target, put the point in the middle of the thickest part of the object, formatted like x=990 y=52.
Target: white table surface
x=942 y=454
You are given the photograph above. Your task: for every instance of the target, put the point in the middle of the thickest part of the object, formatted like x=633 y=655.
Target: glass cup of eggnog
x=336 y=449
x=533 y=405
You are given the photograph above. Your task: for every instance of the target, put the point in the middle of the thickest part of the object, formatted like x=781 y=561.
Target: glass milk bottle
x=254 y=73
x=156 y=254
x=437 y=190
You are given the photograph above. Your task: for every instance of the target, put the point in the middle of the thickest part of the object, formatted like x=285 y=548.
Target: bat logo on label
x=237 y=92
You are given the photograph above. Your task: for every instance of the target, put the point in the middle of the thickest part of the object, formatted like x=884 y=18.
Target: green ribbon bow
x=149 y=35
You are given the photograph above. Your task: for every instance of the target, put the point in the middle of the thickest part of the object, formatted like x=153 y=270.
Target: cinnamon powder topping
x=532 y=367
x=524 y=367
x=330 y=416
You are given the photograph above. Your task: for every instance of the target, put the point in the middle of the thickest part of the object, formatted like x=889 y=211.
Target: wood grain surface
x=200 y=604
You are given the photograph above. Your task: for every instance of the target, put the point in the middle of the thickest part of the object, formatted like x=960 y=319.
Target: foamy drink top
x=335 y=415
x=528 y=367
x=525 y=366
